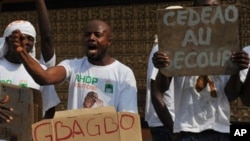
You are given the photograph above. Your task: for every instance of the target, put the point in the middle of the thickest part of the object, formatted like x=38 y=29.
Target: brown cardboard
x=194 y=47
x=27 y=105
x=94 y=124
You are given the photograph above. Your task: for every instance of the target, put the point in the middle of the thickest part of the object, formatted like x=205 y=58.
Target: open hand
x=4 y=111
x=241 y=58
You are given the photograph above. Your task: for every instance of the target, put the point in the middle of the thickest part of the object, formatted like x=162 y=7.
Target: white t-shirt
x=50 y=63
x=150 y=115
x=243 y=73
x=112 y=85
x=52 y=98
x=16 y=74
x=196 y=112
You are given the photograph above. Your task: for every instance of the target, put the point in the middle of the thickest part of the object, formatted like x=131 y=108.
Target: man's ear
x=110 y=40
x=6 y=39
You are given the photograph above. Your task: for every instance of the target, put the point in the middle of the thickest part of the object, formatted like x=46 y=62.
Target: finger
x=160 y=65
x=241 y=58
x=161 y=61
x=16 y=35
x=241 y=62
x=240 y=54
x=14 y=40
x=4 y=100
x=6 y=108
x=4 y=117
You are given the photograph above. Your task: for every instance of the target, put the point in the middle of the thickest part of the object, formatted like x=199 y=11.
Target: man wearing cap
x=12 y=70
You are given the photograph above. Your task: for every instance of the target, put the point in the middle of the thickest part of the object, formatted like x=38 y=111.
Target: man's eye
x=30 y=38
x=98 y=34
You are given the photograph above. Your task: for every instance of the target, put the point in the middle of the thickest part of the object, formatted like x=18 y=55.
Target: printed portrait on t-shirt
x=92 y=100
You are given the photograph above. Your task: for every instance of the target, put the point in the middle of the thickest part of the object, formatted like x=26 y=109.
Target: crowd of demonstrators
x=182 y=106
x=98 y=72
x=11 y=67
x=198 y=114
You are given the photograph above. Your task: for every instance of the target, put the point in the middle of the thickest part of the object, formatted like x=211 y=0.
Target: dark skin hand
x=234 y=85
x=4 y=111
x=241 y=58
x=161 y=60
x=17 y=41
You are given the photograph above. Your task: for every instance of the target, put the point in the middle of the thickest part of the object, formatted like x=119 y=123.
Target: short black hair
x=197 y=2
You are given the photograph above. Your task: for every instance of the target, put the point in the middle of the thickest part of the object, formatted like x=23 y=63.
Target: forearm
x=160 y=107
x=162 y=82
x=245 y=91
x=233 y=87
x=33 y=67
x=47 y=48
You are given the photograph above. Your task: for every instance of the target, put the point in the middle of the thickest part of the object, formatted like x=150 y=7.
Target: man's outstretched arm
x=47 y=48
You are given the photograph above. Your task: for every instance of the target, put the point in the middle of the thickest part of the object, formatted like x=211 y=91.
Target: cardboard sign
x=199 y=40
x=90 y=124
x=27 y=105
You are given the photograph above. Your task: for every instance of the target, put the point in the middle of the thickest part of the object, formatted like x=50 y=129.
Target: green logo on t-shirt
x=86 y=79
x=109 y=88
x=6 y=81
x=23 y=85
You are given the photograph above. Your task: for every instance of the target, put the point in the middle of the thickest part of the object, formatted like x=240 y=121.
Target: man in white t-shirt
x=11 y=67
x=113 y=82
x=245 y=90
x=202 y=114
x=161 y=130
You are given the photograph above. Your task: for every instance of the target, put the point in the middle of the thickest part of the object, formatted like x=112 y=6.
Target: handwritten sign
x=102 y=124
x=199 y=40
x=27 y=105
